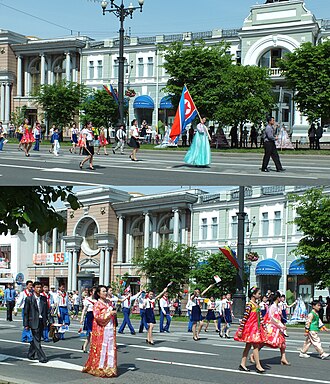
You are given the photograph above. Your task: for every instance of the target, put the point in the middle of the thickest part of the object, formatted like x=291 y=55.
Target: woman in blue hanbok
x=199 y=153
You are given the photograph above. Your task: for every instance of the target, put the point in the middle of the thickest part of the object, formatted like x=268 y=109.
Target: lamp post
x=249 y=232
x=121 y=12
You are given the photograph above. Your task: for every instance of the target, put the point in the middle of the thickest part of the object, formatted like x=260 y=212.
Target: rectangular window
x=99 y=69
x=126 y=66
x=214 y=228
x=277 y=223
x=5 y=257
x=140 y=67
x=91 y=69
x=265 y=224
x=150 y=66
x=204 y=229
x=234 y=226
x=115 y=68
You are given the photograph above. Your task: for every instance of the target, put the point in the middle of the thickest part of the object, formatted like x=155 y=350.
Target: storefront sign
x=50 y=258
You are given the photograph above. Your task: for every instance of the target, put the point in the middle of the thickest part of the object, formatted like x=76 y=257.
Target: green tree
x=17 y=116
x=100 y=108
x=169 y=262
x=245 y=96
x=33 y=207
x=201 y=67
x=307 y=71
x=313 y=219
x=215 y=264
x=60 y=101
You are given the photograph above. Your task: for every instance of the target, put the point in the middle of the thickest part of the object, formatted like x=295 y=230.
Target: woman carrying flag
x=199 y=153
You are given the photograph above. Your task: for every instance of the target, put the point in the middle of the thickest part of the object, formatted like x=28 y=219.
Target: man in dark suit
x=36 y=317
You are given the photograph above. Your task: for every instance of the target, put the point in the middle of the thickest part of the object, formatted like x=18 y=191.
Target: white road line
x=173 y=350
x=171 y=363
x=67 y=181
x=264 y=349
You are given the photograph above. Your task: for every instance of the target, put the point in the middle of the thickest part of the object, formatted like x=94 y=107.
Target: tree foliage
x=100 y=108
x=60 y=101
x=170 y=262
x=215 y=264
x=313 y=219
x=33 y=207
x=307 y=71
x=222 y=91
x=17 y=116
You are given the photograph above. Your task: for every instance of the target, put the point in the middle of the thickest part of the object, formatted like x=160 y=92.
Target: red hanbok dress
x=252 y=328
x=102 y=360
x=103 y=140
x=274 y=328
x=27 y=135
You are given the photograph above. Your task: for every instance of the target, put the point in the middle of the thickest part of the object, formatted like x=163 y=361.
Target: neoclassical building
x=270 y=30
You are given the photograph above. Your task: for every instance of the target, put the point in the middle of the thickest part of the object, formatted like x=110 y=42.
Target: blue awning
x=297 y=267
x=166 y=103
x=268 y=267
x=143 y=102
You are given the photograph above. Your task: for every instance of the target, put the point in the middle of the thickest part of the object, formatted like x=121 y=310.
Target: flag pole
x=200 y=117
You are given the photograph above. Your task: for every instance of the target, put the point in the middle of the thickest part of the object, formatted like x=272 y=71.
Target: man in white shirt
x=63 y=307
x=126 y=307
x=164 y=312
x=76 y=303
x=143 y=322
x=121 y=137
x=26 y=334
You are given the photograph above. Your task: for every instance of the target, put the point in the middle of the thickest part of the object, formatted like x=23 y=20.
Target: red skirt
x=274 y=335
x=27 y=138
x=253 y=332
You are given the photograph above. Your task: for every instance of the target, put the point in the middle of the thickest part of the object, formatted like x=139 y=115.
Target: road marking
x=68 y=182
x=68 y=170
x=232 y=370
x=265 y=348
x=174 y=350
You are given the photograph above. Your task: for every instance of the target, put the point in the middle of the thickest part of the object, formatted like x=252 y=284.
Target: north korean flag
x=185 y=114
x=231 y=255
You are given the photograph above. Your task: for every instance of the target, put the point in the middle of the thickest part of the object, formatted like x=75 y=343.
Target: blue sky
x=159 y=16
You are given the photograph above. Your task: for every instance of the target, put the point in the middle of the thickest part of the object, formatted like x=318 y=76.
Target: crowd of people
x=47 y=314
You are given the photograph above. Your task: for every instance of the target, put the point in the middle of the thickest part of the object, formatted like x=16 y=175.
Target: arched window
x=35 y=74
x=138 y=238
x=269 y=58
x=59 y=69
x=91 y=231
x=166 y=229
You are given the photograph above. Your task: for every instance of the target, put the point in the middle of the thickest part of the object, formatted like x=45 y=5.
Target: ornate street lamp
x=121 y=12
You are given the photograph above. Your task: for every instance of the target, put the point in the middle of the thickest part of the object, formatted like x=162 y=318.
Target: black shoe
x=43 y=361
x=120 y=332
x=280 y=170
x=259 y=371
x=140 y=331
x=265 y=170
x=244 y=369
x=32 y=358
x=132 y=333
x=113 y=151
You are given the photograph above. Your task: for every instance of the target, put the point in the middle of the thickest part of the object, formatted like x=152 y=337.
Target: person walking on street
x=9 y=300
x=134 y=140
x=126 y=307
x=311 y=136
x=88 y=145
x=37 y=136
x=164 y=313
x=318 y=136
x=36 y=317
x=270 y=147
x=20 y=303
x=121 y=137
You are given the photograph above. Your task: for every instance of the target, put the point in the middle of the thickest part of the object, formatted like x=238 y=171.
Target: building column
x=183 y=228
x=42 y=69
x=19 y=75
x=74 y=68
x=74 y=270
x=35 y=242
x=70 y=271
x=2 y=108
x=146 y=230
x=67 y=66
x=101 y=271
x=176 y=226
x=54 y=240
x=7 y=102
x=128 y=241
x=107 y=263
x=120 y=239
x=154 y=232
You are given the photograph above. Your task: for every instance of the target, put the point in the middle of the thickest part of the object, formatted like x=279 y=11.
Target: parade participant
x=19 y=133
x=26 y=334
x=312 y=326
x=36 y=317
x=126 y=304
x=51 y=140
x=103 y=141
x=49 y=299
x=164 y=305
x=27 y=138
x=76 y=304
x=63 y=308
x=96 y=134
x=227 y=316
x=102 y=360
x=88 y=145
x=251 y=331
x=121 y=137
x=149 y=305
x=56 y=141
x=143 y=322
x=270 y=147
x=218 y=306
x=37 y=136
x=264 y=306
x=9 y=300
x=283 y=308
x=74 y=137
x=87 y=318
x=283 y=140
x=211 y=308
x=199 y=153
x=196 y=313
x=134 y=140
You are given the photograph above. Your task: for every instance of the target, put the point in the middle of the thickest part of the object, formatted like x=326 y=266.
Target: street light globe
x=141 y=2
x=104 y=4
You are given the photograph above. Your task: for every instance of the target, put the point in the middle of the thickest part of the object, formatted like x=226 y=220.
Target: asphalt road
x=157 y=168
x=175 y=358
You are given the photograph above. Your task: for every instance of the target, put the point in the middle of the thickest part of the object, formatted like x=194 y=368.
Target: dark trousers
x=10 y=307
x=143 y=322
x=271 y=152
x=317 y=143
x=126 y=313
x=35 y=345
x=168 y=320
